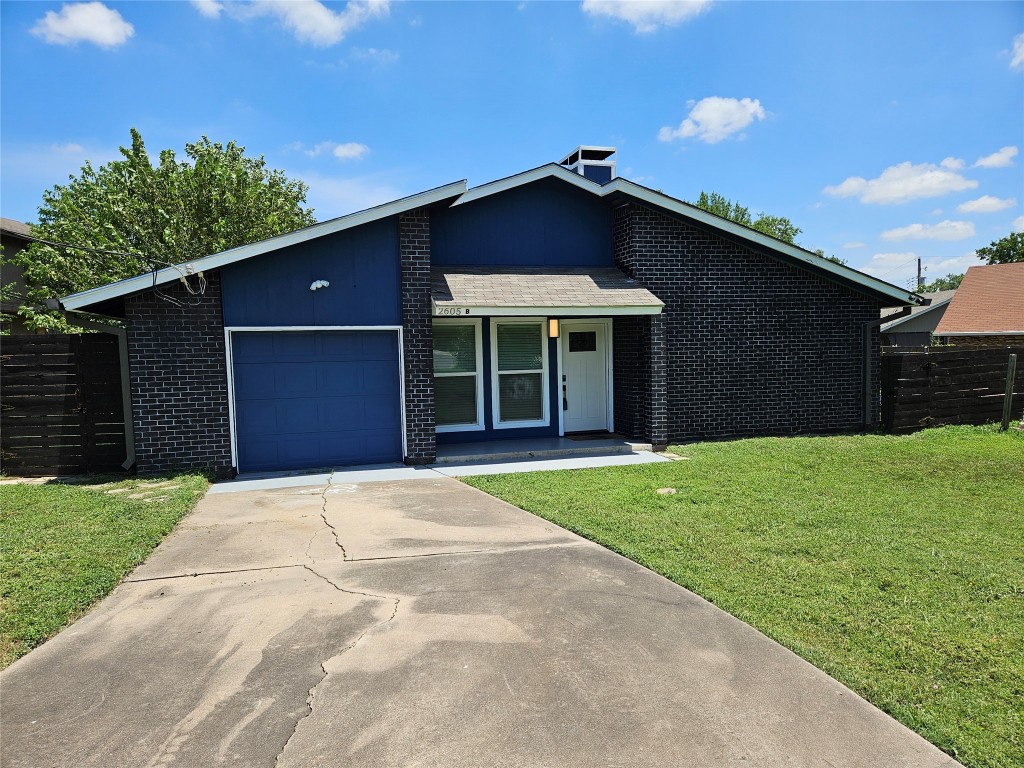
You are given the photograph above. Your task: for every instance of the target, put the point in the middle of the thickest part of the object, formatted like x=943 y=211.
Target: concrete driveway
x=419 y=623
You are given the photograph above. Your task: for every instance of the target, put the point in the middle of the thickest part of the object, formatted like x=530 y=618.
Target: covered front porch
x=545 y=354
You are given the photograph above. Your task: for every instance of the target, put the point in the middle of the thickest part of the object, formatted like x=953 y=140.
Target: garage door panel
x=316 y=399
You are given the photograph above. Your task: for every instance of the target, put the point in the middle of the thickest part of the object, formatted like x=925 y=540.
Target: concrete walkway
x=419 y=623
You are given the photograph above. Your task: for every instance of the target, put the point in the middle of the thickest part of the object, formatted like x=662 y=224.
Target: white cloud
x=379 y=56
x=855 y=244
x=68 y=148
x=1017 y=61
x=647 y=16
x=1018 y=224
x=209 y=8
x=953 y=163
x=902 y=183
x=986 y=204
x=936 y=212
x=944 y=230
x=884 y=264
x=351 y=150
x=715 y=118
x=901 y=268
x=84 y=22
x=310 y=20
x=1001 y=159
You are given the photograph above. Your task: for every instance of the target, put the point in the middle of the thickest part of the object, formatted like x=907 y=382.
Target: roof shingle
x=989 y=300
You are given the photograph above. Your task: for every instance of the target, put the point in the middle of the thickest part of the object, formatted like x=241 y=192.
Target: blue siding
x=319 y=399
x=361 y=265
x=547 y=223
x=554 y=404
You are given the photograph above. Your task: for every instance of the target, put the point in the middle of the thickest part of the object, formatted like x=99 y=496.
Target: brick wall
x=179 y=380
x=417 y=336
x=753 y=346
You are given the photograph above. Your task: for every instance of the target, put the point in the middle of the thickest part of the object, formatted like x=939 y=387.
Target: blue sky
x=886 y=131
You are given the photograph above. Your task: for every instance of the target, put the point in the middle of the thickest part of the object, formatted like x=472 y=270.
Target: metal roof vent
x=591 y=162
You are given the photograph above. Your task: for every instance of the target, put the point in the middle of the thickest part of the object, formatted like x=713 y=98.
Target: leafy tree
x=777 y=226
x=1006 y=250
x=138 y=216
x=947 y=283
x=833 y=258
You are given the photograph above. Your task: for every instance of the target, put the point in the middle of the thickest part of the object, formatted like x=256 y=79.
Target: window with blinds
x=458 y=376
x=520 y=363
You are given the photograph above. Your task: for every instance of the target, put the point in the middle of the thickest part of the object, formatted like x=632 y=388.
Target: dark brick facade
x=179 y=380
x=752 y=346
x=417 y=336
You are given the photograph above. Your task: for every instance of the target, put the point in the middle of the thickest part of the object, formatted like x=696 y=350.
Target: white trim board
x=661 y=200
x=462 y=195
x=170 y=274
x=471 y=311
x=894 y=324
x=228 y=330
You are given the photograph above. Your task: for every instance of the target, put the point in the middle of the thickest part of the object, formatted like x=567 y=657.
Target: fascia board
x=528 y=177
x=169 y=274
x=490 y=311
x=751 y=235
x=917 y=316
x=661 y=200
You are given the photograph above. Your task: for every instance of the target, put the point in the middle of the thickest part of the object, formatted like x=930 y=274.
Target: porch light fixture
x=553 y=328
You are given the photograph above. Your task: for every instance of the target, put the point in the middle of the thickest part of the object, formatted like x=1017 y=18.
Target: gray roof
x=939 y=298
x=538 y=287
x=13 y=227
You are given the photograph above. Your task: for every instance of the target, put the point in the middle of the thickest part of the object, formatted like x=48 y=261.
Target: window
x=520 y=382
x=458 y=376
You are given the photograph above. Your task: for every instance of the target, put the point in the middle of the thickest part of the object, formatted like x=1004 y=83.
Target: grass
x=894 y=563
x=64 y=547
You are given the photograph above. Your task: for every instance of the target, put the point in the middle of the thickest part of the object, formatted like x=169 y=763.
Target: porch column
x=417 y=352
x=657 y=375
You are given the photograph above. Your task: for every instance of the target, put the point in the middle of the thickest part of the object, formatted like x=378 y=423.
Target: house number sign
x=451 y=311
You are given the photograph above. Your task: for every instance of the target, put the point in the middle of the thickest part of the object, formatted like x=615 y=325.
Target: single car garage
x=313 y=398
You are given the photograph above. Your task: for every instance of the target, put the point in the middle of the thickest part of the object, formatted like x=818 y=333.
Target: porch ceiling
x=539 y=290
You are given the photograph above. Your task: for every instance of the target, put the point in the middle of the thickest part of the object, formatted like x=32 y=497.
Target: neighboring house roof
x=460 y=195
x=15 y=228
x=939 y=300
x=989 y=301
x=560 y=290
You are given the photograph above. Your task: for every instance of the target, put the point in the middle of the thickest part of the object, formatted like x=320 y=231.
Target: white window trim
x=496 y=422
x=480 y=424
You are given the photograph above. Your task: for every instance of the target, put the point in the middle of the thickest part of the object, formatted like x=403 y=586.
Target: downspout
x=866 y=330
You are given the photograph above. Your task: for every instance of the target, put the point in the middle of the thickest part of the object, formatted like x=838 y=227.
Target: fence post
x=1011 y=374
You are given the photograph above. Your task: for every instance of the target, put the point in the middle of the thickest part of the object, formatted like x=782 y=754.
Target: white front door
x=584 y=377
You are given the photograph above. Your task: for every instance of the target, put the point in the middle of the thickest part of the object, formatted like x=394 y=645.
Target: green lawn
x=895 y=564
x=63 y=547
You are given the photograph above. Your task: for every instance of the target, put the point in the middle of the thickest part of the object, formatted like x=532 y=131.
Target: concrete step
x=547 y=448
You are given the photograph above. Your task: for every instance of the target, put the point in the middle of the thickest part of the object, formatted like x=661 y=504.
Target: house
x=988 y=309
x=916 y=329
x=562 y=299
x=15 y=237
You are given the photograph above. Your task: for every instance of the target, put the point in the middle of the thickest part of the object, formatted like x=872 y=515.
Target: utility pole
x=920 y=277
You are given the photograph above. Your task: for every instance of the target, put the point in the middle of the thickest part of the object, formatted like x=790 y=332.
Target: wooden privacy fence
x=61 y=405
x=948 y=385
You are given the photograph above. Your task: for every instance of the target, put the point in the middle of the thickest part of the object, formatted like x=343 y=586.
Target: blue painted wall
x=554 y=401
x=547 y=223
x=361 y=265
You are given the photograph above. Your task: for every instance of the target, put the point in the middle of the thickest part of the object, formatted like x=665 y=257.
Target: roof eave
x=169 y=274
